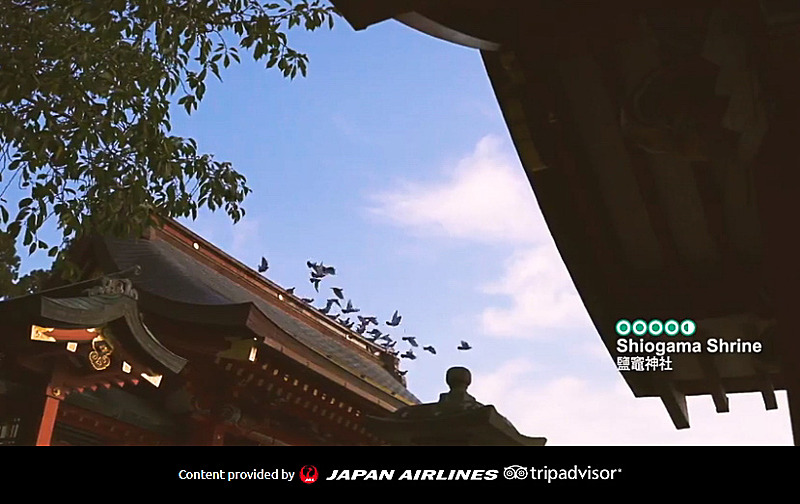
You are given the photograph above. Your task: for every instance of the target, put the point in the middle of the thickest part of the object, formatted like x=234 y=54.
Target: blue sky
x=391 y=161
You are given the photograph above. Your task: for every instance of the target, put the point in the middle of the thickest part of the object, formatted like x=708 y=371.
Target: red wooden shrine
x=170 y=341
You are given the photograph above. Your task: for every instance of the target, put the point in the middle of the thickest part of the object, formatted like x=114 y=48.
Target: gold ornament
x=100 y=356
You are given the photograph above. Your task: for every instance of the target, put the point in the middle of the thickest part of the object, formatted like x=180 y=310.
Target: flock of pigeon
x=319 y=271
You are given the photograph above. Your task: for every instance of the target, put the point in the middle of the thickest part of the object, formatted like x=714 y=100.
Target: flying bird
x=430 y=349
x=331 y=301
x=338 y=292
x=350 y=308
x=464 y=345
x=412 y=340
x=264 y=266
x=368 y=320
x=408 y=355
x=320 y=270
x=402 y=373
x=328 y=306
x=395 y=320
x=316 y=269
x=375 y=332
x=315 y=281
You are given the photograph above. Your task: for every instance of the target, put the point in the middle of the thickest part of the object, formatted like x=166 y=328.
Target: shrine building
x=167 y=340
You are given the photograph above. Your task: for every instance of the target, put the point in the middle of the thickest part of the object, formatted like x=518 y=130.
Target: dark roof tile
x=173 y=274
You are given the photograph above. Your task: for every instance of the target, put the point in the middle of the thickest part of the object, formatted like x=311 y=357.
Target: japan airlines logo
x=515 y=472
x=309 y=474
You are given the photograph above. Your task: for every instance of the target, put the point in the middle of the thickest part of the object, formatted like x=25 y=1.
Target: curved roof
x=173 y=276
x=652 y=221
x=91 y=311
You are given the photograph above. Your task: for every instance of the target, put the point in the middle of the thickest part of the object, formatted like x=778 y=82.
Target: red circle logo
x=309 y=474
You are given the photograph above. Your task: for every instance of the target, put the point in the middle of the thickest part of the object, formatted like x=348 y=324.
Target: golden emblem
x=100 y=356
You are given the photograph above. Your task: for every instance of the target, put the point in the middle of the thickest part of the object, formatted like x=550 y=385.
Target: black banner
x=191 y=470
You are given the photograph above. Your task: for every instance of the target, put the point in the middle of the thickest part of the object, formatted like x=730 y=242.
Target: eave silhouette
x=653 y=223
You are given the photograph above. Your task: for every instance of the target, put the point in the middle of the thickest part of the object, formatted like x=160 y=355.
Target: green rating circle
x=655 y=327
x=639 y=327
x=672 y=327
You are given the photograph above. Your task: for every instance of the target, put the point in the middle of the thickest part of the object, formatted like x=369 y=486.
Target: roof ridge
x=174 y=231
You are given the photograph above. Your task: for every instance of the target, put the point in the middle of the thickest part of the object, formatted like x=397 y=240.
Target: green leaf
x=86 y=89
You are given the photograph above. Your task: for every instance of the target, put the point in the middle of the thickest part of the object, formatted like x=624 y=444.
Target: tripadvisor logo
x=655 y=327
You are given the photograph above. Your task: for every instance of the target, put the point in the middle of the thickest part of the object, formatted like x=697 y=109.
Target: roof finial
x=458 y=379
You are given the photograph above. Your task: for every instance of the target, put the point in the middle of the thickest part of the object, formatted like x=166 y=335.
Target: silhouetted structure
x=660 y=138
x=456 y=420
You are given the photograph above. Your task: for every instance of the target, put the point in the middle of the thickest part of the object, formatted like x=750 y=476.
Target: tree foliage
x=85 y=93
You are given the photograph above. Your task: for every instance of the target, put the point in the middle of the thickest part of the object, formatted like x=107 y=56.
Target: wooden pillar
x=48 y=421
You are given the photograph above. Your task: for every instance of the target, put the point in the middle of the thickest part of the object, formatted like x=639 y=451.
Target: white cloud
x=541 y=295
x=571 y=410
x=486 y=197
